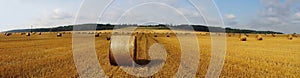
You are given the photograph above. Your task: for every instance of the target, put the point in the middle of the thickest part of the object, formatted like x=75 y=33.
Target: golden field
x=49 y=56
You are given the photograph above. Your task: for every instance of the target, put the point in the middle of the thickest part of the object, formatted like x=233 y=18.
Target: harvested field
x=47 y=55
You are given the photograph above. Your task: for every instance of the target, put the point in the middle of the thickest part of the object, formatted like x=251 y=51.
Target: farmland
x=47 y=55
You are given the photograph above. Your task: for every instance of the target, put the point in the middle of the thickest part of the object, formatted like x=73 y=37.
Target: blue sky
x=276 y=15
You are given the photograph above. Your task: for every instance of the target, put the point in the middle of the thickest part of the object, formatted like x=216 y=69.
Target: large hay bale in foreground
x=259 y=37
x=243 y=38
x=117 y=51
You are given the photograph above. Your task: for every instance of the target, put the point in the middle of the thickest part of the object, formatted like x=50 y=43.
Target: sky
x=273 y=15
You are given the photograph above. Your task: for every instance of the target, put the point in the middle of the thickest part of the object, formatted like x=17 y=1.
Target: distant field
x=49 y=56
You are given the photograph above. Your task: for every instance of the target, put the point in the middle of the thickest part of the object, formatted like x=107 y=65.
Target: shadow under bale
x=143 y=62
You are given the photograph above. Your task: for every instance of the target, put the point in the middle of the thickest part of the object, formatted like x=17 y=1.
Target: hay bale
x=117 y=50
x=155 y=35
x=108 y=38
x=23 y=33
x=243 y=38
x=273 y=35
x=290 y=37
x=219 y=34
x=7 y=34
x=27 y=34
x=247 y=35
x=259 y=37
x=294 y=35
x=59 y=35
x=229 y=35
x=97 y=35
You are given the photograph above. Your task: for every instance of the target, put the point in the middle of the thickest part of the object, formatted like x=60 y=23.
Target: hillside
x=160 y=26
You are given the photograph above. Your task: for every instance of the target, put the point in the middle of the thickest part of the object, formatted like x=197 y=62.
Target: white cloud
x=230 y=16
x=54 y=18
x=277 y=15
x=297 y=15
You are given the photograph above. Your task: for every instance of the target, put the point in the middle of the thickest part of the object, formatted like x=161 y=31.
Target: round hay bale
x=219 y=34
x=229 y=35
x=243 y=38
x=246 y=35
x=108 y=38
x=290 y=37
x=91 y=32
x=294 y=35
x=273 y=35
x=23 y=33
x=259 y=37
x=59 y=35
x=118 y=48
x=7 y=34
x=27 y=34
x=168 y=35
x=97 y=35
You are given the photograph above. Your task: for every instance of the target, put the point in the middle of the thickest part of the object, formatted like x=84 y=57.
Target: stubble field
x=49 y=56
